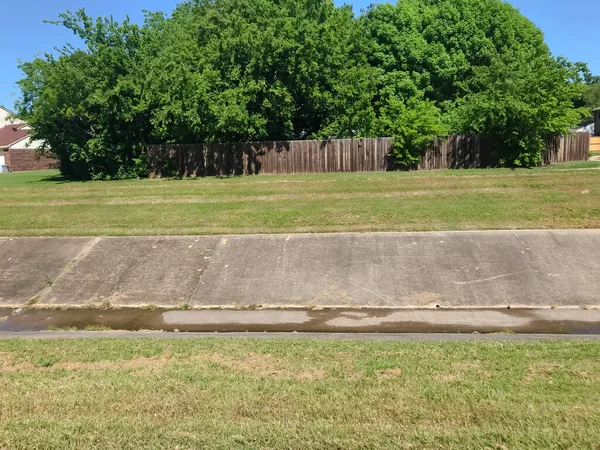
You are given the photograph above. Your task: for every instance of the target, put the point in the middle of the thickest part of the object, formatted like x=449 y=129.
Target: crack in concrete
x=482 y=280
x=87 y=248
x=209 y=260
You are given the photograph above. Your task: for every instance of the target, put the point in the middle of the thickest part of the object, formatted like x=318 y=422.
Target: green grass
x=561 y=196
x=298 y=394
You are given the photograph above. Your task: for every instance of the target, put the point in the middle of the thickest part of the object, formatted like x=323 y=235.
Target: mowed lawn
x=562 y=196
x=298 y=394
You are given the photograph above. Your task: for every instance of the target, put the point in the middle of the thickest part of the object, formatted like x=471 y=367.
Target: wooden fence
x=340 y=155
x=567 y=148
x=595 y=144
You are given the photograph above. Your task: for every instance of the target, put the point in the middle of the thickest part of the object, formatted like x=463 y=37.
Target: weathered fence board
x=567 y=148
x=341 y=155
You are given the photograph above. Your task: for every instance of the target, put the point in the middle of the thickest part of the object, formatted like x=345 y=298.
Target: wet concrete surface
x=522 y=321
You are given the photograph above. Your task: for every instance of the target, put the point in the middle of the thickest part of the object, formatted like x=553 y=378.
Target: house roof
x=12 y=133
x=597 y=109
x=6 y=109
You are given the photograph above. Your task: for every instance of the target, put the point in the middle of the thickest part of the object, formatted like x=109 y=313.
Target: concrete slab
x=449 y=269
x=135 y=271
x=29 y=265
x=392 y=270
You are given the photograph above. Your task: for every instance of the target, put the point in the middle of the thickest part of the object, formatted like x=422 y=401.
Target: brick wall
x=20 y=160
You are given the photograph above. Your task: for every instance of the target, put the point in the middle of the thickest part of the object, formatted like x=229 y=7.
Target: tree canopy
x=591 y=95
x=251 y=70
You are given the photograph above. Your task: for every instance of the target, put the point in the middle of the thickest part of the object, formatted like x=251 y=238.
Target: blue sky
x=566 y=24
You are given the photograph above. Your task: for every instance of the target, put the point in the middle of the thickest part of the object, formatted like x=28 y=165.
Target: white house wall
x=26 y=143
x=4 y=121
x=2 y=158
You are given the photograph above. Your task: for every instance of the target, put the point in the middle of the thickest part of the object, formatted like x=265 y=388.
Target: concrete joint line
x=69 y=266
x=211 y=259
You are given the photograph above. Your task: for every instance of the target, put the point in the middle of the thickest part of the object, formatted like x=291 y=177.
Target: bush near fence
x=340 y=155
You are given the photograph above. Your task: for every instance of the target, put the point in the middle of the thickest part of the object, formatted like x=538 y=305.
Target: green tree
x=482 y=63
x=414 y=124
x=232 y=70
x=521 y=101
x=441 y=43
x=84 y=105
x=591 y=95
x=250 y=70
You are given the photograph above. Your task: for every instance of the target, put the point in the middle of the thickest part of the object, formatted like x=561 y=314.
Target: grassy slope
x=298 y=394
x=551 y=197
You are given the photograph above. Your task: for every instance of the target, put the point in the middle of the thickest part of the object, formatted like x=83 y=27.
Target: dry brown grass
x=260 y=365
x=220 y=393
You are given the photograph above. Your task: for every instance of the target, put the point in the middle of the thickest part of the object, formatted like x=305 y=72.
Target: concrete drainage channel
x=433 y=282
x=338 y=320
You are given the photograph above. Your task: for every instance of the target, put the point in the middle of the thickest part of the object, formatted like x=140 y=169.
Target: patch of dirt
x=447 y=378
x=310 y=375
x=394 y=372
x=460 y=370
x=588 y=376
x=345 y=356
x=257 y=364
x=465 y=367
x=6 y=358
x=424 y=299
x=332 y=295
x=20 y=368
x=133 y=364
x=484 y=374
x=545 y=369
x=145 y=364
x=261 y=365
x=541 y=371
